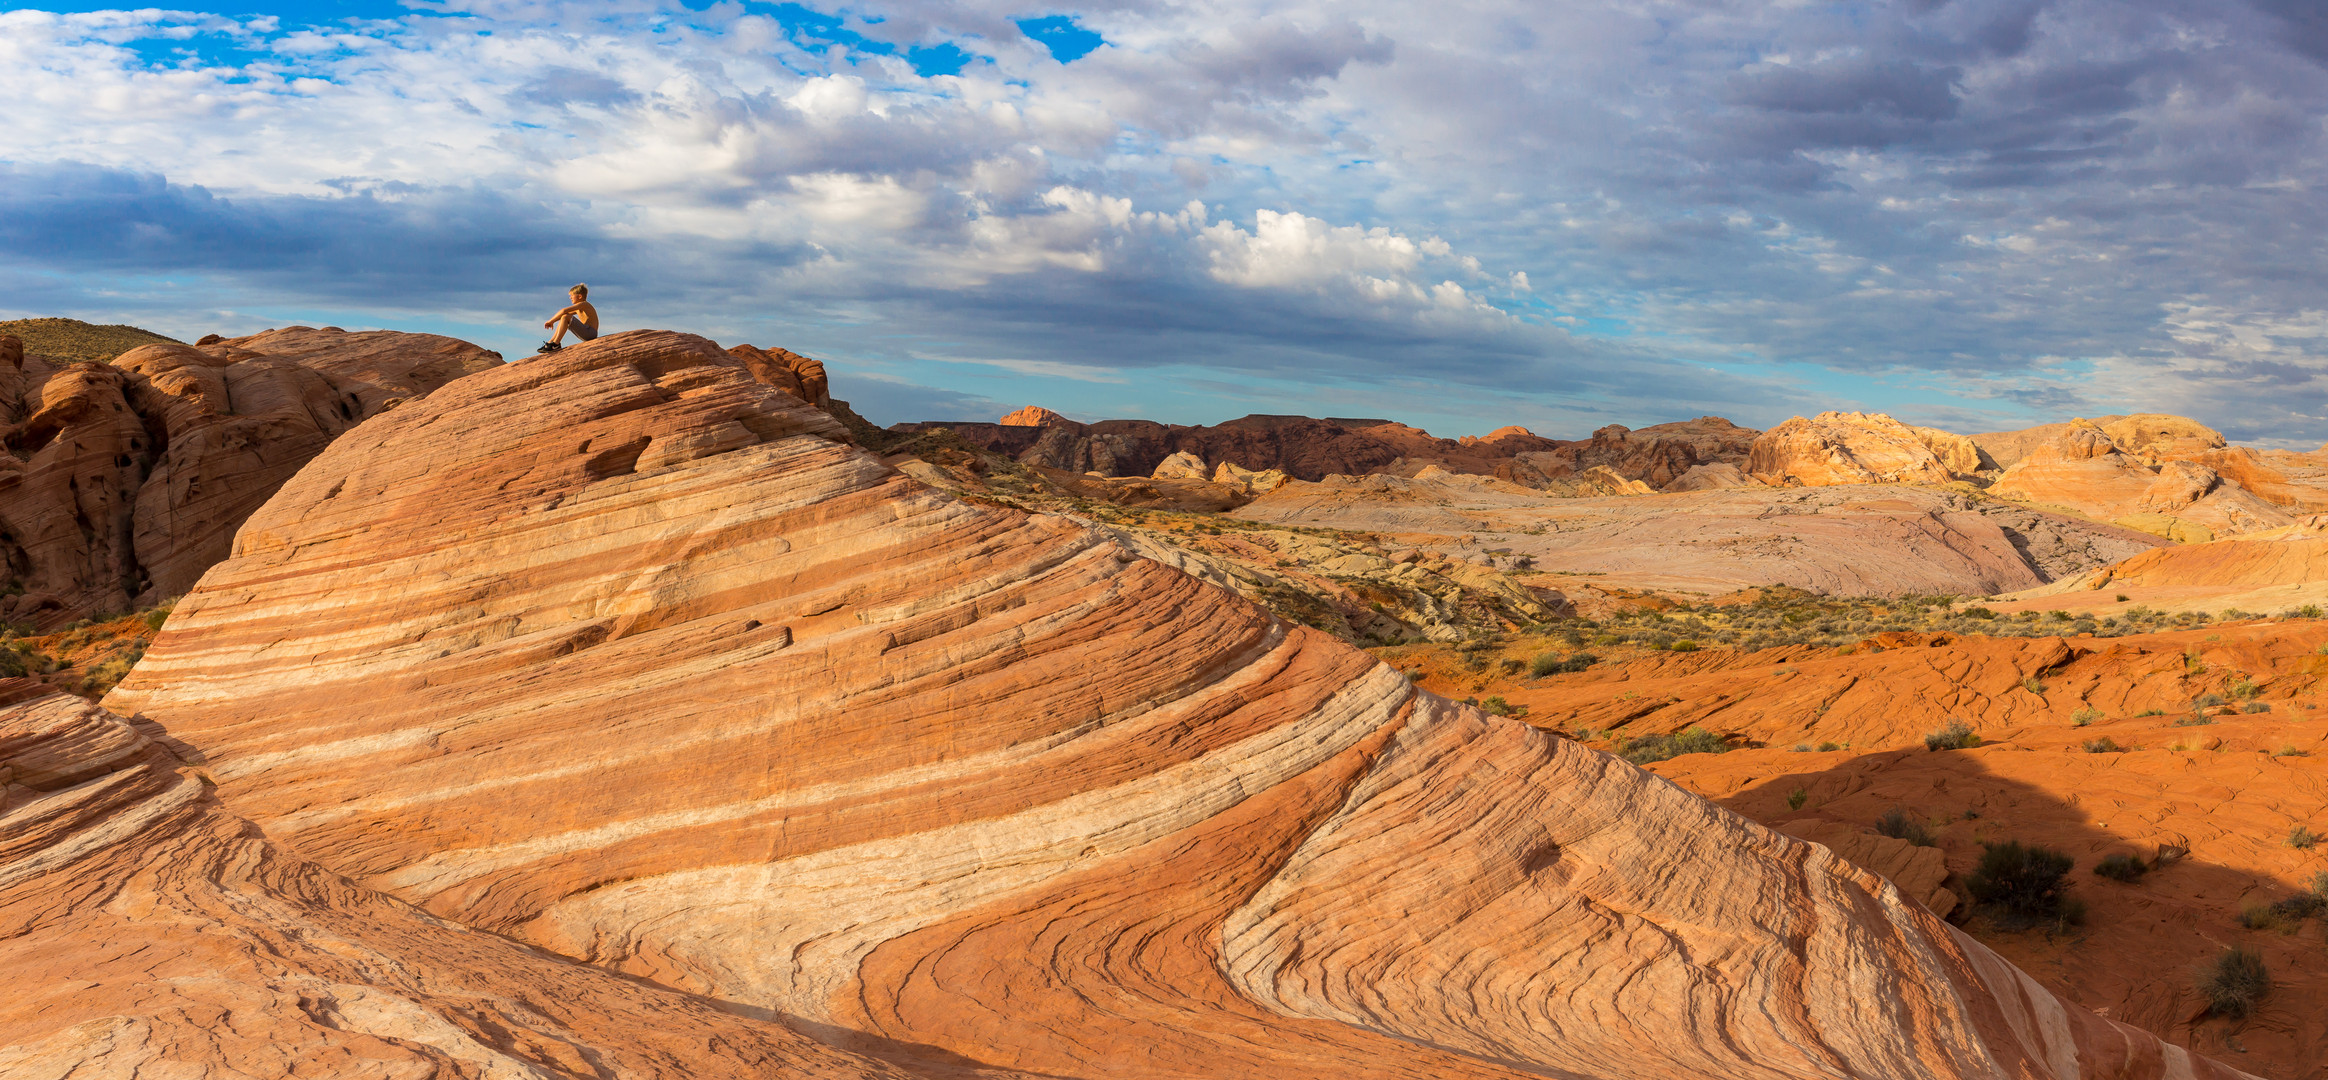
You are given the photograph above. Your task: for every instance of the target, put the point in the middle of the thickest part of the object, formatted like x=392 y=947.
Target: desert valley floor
x=373 y=707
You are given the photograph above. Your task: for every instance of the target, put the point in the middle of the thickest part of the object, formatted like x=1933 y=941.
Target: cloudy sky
x=1978 y=214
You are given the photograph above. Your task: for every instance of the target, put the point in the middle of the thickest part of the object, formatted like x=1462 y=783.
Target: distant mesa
x=72 y=339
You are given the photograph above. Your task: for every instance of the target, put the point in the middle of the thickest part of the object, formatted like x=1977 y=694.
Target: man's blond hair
x=584 y=290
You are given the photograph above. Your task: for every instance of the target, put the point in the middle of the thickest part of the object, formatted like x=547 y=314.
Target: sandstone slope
x=625 y=655
x=128 y=479
x=148 y=931
x=1861 y=448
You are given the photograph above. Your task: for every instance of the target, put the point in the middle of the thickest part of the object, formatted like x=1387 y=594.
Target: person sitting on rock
x=578 y=317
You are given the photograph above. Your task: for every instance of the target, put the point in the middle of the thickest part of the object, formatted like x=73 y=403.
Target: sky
x=1974 y=214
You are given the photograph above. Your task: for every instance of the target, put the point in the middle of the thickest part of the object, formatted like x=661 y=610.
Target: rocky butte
x=613 y=714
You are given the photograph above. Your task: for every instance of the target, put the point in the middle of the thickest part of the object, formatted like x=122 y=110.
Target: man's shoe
x=548 y=347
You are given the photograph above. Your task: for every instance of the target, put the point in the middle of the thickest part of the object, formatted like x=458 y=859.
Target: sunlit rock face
x=625 y=654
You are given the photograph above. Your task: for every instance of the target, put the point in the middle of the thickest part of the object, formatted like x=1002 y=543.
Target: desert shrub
x=2290 y=751
x=1802 y=748
x=1956 y=736
x=2299 y=907
x=155 y=618
x=2122 y=598
x=2194 y=721
x=2257 y=707
x=1796 y=798
x=2122 y=867
x=1898 y=824
x=2033 y=685
x=1555 y=664
x=2235 y=982
x=1979 y=613
x=2084 y=716
x=1496 y=706
x=1514 y=667
x=1685 y=646
x=2023 y=881
x=2208 y=701
x=1650 y=748
x=2245 y=689
x=1828 y=747
x=2302 y=838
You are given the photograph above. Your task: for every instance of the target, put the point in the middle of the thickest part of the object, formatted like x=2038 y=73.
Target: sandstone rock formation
x=1713 y=477
x=1657 y=456
x=1860 y=448
x=1033 y=416
x=1857 y=541
x=2160 y=437
x=2086 y=471
x=129 y=478
x=149 y=931
x=788 y=371
x=656 y=673
x=2275 y=570
x=1250 y=480
x=2007 y=448
x=1182 y=465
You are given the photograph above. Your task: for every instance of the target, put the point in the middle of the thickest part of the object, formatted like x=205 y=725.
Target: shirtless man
x=578 y=317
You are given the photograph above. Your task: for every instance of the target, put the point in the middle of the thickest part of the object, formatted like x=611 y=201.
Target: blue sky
x=1978 y=214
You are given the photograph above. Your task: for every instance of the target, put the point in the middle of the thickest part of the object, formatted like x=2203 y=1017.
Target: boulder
x=1181 y=466
x=1713 y=477
x=1255 y=481
x=788 y=371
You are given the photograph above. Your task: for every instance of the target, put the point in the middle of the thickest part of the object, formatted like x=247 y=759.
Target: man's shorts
x=581 y=332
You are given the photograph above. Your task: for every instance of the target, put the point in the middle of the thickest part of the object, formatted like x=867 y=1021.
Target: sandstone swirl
x=619 y=652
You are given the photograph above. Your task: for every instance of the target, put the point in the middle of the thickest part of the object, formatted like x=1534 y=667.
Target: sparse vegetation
x=2033 y=685
x=2122 y=867
x=2209 y=701
x=2084 y=716
x=2290 y=751
x=1653 y=748
x=2235 y=983
x=1898 y=824
x=2257 y=707
x=1555 y=664
x=1828 y=747
x=2024 y=883
x=1796 y=798
x=2194 y=721
x=2302 y=838
x=1956 y=736
x=2245 y=688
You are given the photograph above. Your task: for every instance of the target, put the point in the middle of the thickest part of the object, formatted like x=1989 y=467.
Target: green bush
x=2122 y=867
x=2302 y=838
x=2104 y=745
x=1828 y=747
x=1899 y=825
x=1651 y=748
x=1555 y=664
x=2023 y=881
x=2084 y=716
x=1796 y=798
x=2151 y=712
x=2033 y=685
x=1685 y=646
x=2236 y=982
x=1956 y=736
x=2208 y=701
x=2245 y=689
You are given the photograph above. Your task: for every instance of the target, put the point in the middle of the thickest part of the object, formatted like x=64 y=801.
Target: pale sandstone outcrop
x=1253 y=480
x=1854 y=541
x=1860 y=448
x=2159 y=436
x=1713 y=477
x=134 y=474
x=1181 y=466
x=2085 y=470
x=654 y=672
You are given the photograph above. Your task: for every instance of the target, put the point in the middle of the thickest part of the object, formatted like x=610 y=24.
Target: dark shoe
x=548 y=347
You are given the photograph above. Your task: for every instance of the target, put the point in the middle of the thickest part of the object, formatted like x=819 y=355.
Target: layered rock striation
x=2085 y=470
x=1861 y=448
x=624 y=654
x=128 y=478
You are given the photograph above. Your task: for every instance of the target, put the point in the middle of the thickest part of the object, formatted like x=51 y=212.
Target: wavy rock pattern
x=619 y=652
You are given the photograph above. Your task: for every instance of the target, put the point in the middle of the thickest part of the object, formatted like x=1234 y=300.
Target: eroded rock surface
x=624 y=654
x=148 y=931
x=2086 y=471
x=1860 y=448
x=1658 y=456
x=128 y=479
x=1854 y=541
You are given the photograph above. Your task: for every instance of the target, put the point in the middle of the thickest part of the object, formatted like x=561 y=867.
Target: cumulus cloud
x=1987 y=211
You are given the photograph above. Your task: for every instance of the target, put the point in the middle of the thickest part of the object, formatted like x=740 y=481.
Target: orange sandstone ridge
x=624 y=655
